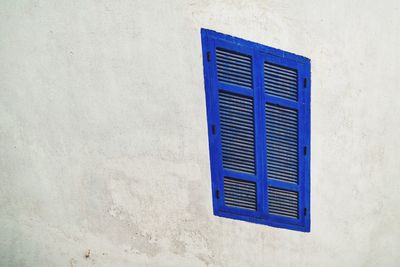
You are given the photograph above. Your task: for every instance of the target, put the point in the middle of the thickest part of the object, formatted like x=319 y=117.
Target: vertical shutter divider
x=259 y=131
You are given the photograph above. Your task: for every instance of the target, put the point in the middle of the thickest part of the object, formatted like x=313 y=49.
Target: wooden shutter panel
x=232 y=116
x=282 y=125
x=258 y=107
x=286 y=136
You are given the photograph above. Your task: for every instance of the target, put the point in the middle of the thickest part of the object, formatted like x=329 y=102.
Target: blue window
x=258 y=113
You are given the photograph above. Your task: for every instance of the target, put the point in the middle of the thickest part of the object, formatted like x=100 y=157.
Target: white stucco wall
x=103 y=141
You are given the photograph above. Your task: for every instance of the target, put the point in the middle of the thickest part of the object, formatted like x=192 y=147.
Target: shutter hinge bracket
x=217 y=194
x=208 y=56
x=305 y=150
x=213 y=129
x=305 y=211
x=305 y=82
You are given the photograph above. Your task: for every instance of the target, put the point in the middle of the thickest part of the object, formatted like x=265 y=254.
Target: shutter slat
x=283 y=202
x=240 y=193
x=280 y=81
x=234 y=68
x=282 y=138
x=237 y=132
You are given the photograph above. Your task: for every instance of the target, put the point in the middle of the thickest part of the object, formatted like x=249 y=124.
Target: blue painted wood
x=259 y=54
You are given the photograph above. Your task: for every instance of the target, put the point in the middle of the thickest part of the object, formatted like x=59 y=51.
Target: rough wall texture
x=103 y=141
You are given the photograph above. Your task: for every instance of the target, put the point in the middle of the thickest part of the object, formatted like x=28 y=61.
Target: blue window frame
x=258 y=113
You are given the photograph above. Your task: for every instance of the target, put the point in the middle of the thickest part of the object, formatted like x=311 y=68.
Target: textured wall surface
x=103 y=141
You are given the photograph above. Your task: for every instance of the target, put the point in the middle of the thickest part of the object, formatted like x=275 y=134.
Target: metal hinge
x=305 y=82
x=217 y=194
x=208 y=56
x=305 y=150
x=305 y=211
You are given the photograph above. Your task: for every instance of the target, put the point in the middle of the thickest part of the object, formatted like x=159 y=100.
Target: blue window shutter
x=258 y=113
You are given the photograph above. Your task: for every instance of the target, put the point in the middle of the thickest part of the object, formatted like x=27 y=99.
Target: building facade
x=103 y=133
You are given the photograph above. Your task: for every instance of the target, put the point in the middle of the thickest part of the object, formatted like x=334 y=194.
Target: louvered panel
x=283 y=202
x=282 y=148
x=280 y=81
x=240 y=194
x=237 y=132
x=234 y=68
